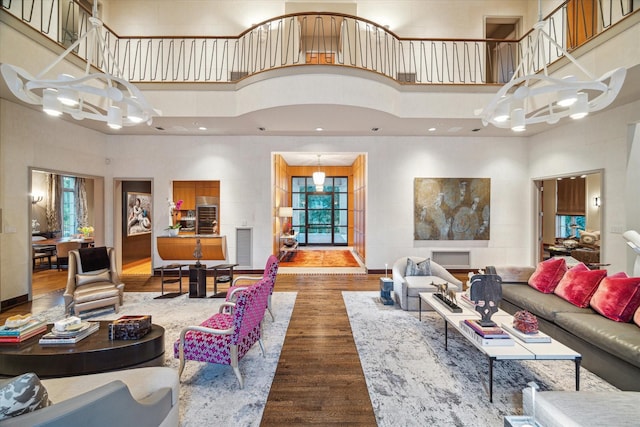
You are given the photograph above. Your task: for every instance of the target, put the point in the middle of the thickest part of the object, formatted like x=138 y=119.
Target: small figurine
x=452 y=297
x=197 y=253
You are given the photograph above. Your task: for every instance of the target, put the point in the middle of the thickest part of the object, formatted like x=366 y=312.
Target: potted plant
x=174 y=229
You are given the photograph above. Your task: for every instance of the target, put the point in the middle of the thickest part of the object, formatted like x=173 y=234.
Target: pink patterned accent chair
x=270 y=273
x=227 y=336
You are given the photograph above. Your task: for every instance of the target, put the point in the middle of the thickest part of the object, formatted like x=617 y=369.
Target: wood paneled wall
x=356 y=196
x=281 y=197
x=359 y=183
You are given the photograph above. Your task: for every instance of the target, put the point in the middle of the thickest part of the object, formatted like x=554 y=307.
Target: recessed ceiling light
x=159 y=128
x=262 y=129
x=375 y=129
x=319 y=129
x=475 y=130
x=202 y=128
x=432 y=129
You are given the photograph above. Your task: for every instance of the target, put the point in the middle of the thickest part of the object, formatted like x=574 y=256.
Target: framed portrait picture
x=138 y=213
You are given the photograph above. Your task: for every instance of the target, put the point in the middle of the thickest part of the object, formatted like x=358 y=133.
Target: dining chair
x=62 y=252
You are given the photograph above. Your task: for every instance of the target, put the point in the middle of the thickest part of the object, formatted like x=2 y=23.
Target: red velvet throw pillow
x=617 y=298
x=548 y=275
x=578 y=284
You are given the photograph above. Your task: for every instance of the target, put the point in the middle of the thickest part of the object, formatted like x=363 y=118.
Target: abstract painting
x=451 y=208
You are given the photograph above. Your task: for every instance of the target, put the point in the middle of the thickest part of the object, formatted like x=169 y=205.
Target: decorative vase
x=173 y=232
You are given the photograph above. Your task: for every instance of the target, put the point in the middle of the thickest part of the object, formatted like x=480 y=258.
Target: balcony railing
x=313 y=39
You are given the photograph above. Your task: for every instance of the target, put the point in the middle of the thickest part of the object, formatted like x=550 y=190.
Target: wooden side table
x=197 y=281
x=222 y=273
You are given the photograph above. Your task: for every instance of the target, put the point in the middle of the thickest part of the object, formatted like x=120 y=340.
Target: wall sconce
x=36 y=198
x=596 y=201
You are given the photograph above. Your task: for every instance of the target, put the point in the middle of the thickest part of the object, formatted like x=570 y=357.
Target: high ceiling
x=335 y=121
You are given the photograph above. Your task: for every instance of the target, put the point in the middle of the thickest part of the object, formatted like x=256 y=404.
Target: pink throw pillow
x=578 y=284
x=548 y=275
x=617 y=297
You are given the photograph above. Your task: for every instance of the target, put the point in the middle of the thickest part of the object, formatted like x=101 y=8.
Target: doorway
x=135 y=242
x=320 y=213
x=80 y=202
x=569 y=207
x=501 y=58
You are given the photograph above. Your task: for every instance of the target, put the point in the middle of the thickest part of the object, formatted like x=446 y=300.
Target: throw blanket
x=92 y=259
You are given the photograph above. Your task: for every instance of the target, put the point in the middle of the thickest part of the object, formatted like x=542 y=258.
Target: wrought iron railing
x=312 y=39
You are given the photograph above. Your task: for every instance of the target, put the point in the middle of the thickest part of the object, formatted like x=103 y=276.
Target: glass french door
x=320 y=213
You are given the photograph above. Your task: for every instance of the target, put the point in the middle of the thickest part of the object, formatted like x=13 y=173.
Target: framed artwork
x=451 y=208
x=138 y=213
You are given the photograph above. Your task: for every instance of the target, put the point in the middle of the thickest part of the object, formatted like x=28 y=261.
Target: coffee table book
x=68 y=338
x=537 y=337
x=485 y=342
x=486 y=331
x=17 y=335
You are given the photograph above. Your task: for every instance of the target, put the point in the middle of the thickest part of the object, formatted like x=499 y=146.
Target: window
x=68 y=206
x=569 y=225
x=320 y=217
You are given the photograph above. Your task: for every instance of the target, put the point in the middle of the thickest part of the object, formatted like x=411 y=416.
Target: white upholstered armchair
x=406 y=288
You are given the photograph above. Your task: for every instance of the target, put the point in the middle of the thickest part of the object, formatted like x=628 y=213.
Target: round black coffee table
x=96 y=353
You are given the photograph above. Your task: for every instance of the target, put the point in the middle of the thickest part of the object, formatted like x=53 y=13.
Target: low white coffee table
x=521 y=350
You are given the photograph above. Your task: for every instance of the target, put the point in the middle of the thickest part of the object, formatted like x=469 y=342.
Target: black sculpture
x=486 y=293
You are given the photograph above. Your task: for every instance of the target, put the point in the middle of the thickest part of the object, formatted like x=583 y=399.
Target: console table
x=288 y=244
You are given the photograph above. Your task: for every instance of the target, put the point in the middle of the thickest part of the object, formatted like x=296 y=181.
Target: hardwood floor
x=319 y=378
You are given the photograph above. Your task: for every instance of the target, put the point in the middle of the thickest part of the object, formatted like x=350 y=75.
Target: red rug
x=318 y=258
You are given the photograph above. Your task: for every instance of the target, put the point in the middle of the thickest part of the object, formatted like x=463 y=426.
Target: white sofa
x=406 y=289
x=141 y=397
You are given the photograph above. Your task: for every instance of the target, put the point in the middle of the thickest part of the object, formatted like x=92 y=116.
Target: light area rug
x=209 y=394
x=413 y=381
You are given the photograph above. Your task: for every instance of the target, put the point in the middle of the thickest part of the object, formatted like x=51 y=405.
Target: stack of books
x=486 y=335
x=75 y=333
x=23 y=332
x=527 y=337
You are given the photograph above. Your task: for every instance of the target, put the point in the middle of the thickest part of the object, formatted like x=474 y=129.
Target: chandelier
x=95 y=96
x=318 y=177
x=540 y=98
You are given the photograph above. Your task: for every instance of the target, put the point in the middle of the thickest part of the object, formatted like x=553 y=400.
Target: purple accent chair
x=270 y=273
x=227 y=336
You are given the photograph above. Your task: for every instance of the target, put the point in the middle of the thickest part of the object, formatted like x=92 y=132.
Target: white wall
x=243 y=167
x=407 y=18
x=599 y=141
x=30 y=138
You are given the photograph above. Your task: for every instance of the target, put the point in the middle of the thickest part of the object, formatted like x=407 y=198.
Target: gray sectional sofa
x=609 y=349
